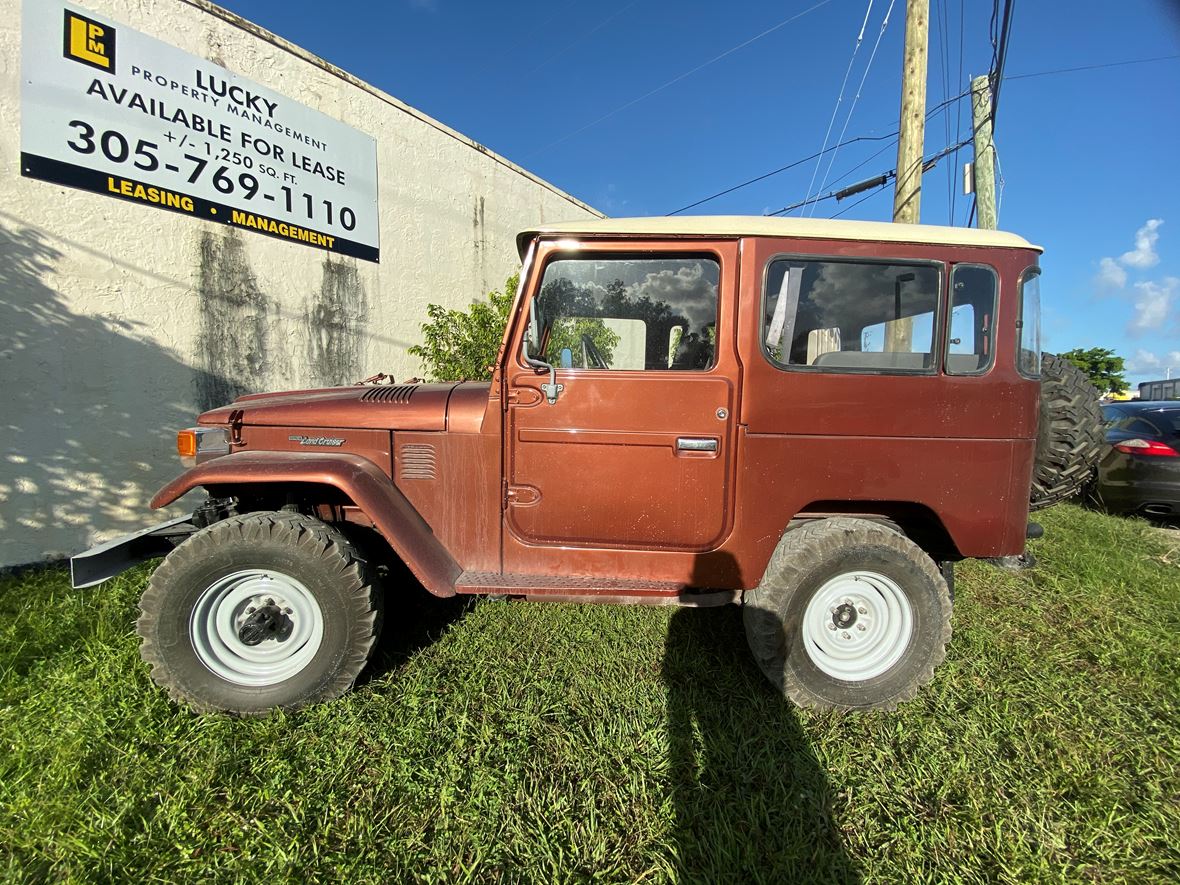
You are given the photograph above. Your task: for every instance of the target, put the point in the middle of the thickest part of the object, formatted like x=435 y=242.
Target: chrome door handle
x=695 y=444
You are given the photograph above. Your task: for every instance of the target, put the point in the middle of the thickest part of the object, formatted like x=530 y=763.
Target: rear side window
x=1028 y=360
x=970 y=342
x=838 y=315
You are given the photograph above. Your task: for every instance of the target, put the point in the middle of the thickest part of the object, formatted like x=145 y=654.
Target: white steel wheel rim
x=857 y=626
x=225 y=605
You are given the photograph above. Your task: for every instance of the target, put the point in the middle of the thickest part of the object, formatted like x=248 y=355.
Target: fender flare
x=359 y=478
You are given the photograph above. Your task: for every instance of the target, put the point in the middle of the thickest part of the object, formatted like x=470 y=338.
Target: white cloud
x=1144 y=254
x=1152 y=305
x=1144 y=362
x=1110 y=275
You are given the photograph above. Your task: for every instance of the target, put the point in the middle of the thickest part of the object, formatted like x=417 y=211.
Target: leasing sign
x=111 y=110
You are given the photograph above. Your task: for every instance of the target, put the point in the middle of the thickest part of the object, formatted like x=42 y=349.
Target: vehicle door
x=632 y=446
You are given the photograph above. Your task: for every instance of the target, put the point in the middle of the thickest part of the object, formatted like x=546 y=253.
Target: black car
x=1141 y=471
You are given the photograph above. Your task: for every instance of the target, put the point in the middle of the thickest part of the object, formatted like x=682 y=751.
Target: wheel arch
x=918 y=522
x=357 y=480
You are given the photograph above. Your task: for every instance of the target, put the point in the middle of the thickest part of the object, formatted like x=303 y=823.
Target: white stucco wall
x=119 y=321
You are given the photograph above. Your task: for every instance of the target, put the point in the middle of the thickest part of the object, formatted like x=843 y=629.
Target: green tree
x=462 y=345
x=1102 y=365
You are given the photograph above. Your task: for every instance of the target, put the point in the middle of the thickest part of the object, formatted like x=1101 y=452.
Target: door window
x=629 y=312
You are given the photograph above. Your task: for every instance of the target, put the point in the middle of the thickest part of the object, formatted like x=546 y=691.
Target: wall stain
x=479 y=241
x=334 y=320
x=232 y=341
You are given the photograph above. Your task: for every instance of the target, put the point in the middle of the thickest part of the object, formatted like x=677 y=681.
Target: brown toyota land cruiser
x=812 y=419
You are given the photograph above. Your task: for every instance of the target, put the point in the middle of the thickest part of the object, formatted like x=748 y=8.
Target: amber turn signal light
x=198 y=444
x=186 y=443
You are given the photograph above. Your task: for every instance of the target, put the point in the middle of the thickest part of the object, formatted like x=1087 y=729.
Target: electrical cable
x=958 y=108
x=1112 y=64
x=1001 y=59
x=940 y=18
x=680 y=77
x=729 y=190
x=840 y=96
x=892 y=173
x=856 y=98
x=581 y=37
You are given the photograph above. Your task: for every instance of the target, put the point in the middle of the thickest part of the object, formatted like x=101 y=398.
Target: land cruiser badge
x=316 y=440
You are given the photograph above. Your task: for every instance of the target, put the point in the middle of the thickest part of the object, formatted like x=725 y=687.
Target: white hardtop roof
x=766 y=226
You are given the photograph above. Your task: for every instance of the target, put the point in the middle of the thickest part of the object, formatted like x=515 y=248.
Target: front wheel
x=849 y=615
x=259 y=611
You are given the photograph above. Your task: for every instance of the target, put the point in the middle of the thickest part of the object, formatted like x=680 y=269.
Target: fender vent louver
x=392 y=393
x=415 y=462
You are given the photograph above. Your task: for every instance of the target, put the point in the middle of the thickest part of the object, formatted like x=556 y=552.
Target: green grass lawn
x=527 y=742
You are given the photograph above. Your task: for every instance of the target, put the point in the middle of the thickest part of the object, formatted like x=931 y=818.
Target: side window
x=630 y=312
x=1028 y=361
x=851 y=315
x=971 y=340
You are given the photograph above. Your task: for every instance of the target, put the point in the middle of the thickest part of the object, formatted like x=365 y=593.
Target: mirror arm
x=552 y=389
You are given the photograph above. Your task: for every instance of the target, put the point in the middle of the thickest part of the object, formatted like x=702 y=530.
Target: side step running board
x=564 y=588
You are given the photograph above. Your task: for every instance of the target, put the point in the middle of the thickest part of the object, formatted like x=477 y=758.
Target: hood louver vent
x=392 y=393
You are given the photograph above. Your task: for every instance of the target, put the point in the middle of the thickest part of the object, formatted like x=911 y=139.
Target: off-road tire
x=805 y=559
x=313 y=552
x=1069 y=433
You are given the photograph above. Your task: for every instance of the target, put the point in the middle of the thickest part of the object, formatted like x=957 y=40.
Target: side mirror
x=536 y=318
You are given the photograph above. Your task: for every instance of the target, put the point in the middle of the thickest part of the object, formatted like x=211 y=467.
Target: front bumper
x=114 y=557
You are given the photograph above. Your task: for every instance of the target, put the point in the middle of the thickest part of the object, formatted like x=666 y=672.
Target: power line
x=1002 y=59
x=773 y=172
x=944 y=26
x=856 y=99
x=958 y=108
x=884 y=178
x=680 y=77
x=840 y=96
x=1112 y=64
x=581 y=37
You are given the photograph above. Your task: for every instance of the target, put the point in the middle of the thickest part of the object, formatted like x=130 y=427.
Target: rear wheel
x=259 y=611
x=849 y=615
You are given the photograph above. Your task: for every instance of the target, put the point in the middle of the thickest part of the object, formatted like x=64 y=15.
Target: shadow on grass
x=413 y=619
x=752 y=802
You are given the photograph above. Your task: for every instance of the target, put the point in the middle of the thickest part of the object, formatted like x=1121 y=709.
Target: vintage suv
x=814 y=419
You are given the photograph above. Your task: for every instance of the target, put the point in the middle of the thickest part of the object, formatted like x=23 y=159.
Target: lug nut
x=846 y=635
x=831 y=626
x=860 y=627
x=861 y=609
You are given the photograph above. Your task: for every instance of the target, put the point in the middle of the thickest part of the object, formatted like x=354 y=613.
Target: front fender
x=360 y=479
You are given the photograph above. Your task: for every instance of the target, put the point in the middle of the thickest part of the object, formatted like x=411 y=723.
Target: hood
x=382 y=407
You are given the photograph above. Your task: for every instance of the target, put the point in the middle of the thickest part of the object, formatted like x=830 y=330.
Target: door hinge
x=523 y=396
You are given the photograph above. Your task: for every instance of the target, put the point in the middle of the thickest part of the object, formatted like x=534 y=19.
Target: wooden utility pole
x=907 y=194
x=985 y=154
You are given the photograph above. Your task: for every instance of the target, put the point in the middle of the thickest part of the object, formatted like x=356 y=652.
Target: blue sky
x=640 y=107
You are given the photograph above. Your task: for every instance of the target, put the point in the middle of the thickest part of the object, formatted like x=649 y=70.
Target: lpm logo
x=89 y=42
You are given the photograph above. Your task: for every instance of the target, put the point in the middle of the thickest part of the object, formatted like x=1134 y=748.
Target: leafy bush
x=462 y=346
